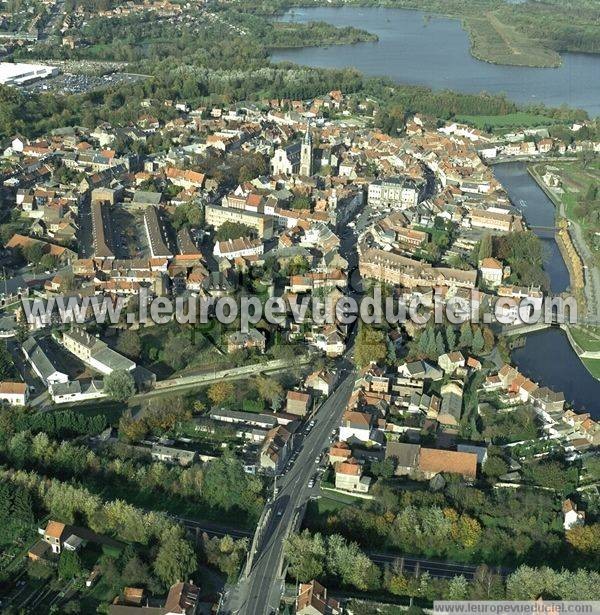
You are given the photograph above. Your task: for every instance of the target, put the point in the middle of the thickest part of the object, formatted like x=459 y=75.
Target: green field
x=593 y=366
x=587 y=338
x=498 y=42
x=511 y=120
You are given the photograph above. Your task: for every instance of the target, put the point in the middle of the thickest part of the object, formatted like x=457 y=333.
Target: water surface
x=434 y=51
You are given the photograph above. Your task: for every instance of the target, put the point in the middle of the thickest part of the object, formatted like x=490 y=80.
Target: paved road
x=260 y=593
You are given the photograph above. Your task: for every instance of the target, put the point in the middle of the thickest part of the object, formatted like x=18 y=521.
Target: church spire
x=306 y=153
x=307 y=135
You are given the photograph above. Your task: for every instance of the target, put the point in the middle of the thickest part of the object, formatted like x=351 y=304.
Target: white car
x=311 y=483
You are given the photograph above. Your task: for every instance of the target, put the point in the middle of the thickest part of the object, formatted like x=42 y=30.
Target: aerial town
x=442 y=444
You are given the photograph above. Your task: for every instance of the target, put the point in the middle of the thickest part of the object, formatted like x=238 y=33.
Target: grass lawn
x=593 y=366
x=587 y=342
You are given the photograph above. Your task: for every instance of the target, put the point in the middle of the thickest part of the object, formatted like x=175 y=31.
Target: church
x=294 y=159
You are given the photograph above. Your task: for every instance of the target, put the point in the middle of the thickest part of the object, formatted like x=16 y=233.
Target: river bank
x=589 y=271
x=573 y=260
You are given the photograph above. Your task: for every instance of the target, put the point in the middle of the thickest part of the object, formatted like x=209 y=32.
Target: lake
x=434 y=52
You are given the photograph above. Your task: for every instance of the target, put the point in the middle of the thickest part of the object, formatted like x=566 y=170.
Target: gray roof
x=406 y=455
x=151 y=198
x=480 y=451
x=244 y=417
x=107 y=356
x=171 y=451
x=39 y=358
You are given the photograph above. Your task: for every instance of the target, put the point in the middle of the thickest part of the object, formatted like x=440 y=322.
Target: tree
x=478 y=341
x=119 y=385
x=450 y=337
x=301 y=202
x=440 y=346
x=132 y=429
x=306 y=555
x=585 y=539
x=234 y=230
x=458 y=588
x=135 y=572
x=370 y=346
x=175 y=560
x=466 y=335
x=269 y=389
x=34 y=252
x=69 y=565
x=129 y=344
x=494 y=466
x=486 y=585
x=485 y=247
x=220 y=392
x=384 y=469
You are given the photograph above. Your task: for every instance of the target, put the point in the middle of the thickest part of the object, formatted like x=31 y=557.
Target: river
x=547 y=356
x=414 y=49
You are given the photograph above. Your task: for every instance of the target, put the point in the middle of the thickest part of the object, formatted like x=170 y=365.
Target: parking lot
x=129 y=234
x=69 y=83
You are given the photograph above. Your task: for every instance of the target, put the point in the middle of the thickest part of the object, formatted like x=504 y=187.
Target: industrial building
x=22 y=74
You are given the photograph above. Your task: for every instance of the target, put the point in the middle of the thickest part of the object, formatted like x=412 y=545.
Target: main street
x=260 y=592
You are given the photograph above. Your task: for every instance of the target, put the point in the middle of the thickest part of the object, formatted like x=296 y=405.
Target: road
x=260 y=592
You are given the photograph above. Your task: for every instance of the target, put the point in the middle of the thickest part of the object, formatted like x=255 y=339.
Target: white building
x=355 y=426
x=235 y=248
x=491 y=271
x=393 y=192
x=572 y=516
x=21 y=74
x=13 y=393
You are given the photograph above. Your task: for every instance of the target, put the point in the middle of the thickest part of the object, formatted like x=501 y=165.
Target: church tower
x=306 y=153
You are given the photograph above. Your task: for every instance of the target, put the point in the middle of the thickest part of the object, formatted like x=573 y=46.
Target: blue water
x=434 y=52
x=547 y=356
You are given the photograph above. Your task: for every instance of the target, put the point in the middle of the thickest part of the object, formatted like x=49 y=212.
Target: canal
x=547 y=356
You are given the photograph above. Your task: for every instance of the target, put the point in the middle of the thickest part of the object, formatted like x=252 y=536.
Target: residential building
x=312 y=600
x=492 y=272
x=435 y=461
x=172 y=454
x=182 y=599
x=156 y=233
x=322 y=381
x=298 y=403
x=95 y=352
x=41 y=363
x=349 y=477
x=451 y=406
x=395 y=192
x=400 y=270
x=14 y=393
x=276 y=449
x=235 y=248
x=217 y=215
x=405 y=457
x=356 y=426
x=571 y=516
x=451 y=361
x=253 y=339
